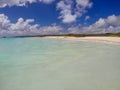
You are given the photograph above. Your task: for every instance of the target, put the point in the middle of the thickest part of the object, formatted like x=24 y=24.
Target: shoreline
x=102 y=39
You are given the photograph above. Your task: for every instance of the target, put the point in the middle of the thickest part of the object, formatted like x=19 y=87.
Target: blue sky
x=70 y=16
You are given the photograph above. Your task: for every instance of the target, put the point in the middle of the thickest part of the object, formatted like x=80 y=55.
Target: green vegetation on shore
x=85 y=35
x=77 y=35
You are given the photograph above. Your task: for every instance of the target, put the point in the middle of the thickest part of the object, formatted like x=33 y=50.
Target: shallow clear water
x=51 y=64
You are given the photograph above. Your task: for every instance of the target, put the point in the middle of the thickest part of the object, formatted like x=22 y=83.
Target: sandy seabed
x=59 y=63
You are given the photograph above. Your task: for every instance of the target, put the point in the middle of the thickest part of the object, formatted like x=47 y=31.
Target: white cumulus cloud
x=25 y=27
x=111 y=24
x=87 y=18
x=70 y=10
x=4 y=3
x=4 y=22
x=46 y=1
x=51 y=30
x=21 y=24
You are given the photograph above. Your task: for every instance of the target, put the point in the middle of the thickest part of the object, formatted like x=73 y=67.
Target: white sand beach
x=103 y=39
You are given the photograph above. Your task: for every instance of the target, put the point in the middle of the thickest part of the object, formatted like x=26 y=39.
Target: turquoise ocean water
x=52 y=64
